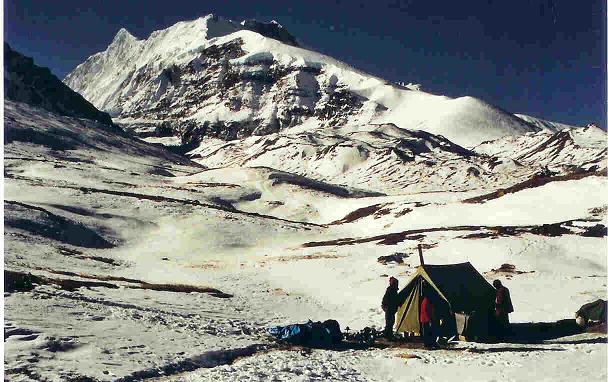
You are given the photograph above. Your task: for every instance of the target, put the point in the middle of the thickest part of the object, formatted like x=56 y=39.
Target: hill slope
x=387 y=159
x=544 y=124
x=26 y=82
x=564 y=151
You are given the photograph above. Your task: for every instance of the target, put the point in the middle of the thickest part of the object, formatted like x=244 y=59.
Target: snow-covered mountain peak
x=121 y=36
x=185 y=36
x=272 y=29
x=123 y=45
x=211 y=76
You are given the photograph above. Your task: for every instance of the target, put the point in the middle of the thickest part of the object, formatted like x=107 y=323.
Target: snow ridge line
x=532 y=183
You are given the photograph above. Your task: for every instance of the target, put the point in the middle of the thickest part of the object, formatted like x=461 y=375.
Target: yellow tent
x=453 y=289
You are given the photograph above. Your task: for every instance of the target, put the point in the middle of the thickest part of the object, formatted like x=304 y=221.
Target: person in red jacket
x=503 y=306
x=427 y=319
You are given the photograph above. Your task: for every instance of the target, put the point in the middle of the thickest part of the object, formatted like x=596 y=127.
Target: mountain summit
x=215 y=77
x=272 y=30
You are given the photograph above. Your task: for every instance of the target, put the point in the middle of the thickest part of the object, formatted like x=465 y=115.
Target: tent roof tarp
x=464 y=288
x=460 y=286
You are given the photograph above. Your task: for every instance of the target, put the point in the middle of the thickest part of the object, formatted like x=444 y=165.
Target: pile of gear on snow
x=325 y=334
x=313 y=334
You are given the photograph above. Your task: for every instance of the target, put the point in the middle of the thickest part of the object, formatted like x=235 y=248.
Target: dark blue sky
x=546 y=58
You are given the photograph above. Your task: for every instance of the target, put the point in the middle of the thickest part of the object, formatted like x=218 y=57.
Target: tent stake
x=420 y=254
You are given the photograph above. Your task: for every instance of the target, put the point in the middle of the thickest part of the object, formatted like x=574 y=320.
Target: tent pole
x=420 y=254
x=421 y=296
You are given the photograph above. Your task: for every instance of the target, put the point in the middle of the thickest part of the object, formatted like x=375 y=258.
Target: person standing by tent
x=427 y=320
x=390 y=304
x=503 y=307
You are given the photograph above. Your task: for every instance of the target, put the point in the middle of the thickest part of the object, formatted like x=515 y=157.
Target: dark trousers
x=503 y=327
x=389 y=319
x=428 y=335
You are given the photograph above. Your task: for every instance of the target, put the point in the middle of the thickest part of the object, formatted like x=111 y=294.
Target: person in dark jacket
x=502 y=307
x=390 y=305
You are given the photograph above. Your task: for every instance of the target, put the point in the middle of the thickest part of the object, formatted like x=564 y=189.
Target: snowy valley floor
x=149 y=266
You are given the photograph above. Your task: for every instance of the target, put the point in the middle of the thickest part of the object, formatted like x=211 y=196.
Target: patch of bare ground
x=277 y=292
x=24 y=281
x=403 y=212
x=117 y=183
x=198 y=188
x=478 y=235
x=89 y=276
x=182 y=288
x=313 y=256
x=21 y=281
x=79 y=255
x=536 y=181
x=382 y=212
x=394 y=258
x=375 y=210
x=507 y=270
x=407 y=356
x=599 y=212
x=208 y=359
x=389 y=238
x=477 y=232
x=203 y=184
x=358 y=214
x=206 y=265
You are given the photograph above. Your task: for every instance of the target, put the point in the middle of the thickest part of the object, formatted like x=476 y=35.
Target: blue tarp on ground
x=317 y=334
x=289 y=332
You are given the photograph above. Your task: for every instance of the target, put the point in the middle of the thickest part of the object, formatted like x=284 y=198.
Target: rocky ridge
x=26 y=82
